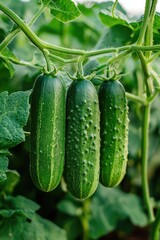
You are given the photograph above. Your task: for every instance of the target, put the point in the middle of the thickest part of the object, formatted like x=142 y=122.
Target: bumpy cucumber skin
x=82 y=139
x=47 y=132
x=113 y=132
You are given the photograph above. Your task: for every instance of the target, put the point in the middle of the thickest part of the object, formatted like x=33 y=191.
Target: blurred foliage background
x=117 y=213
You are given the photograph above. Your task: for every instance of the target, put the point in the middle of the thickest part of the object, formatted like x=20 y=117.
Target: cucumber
x=48 y=113
x=82 y=139
x=113 y=132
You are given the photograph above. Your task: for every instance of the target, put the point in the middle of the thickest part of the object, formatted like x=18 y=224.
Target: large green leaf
x=116 y=36
x=110 y=206
x=18 y=228
x=14 y=111
x=19 y=206
x=110 y=21
x=63 y=10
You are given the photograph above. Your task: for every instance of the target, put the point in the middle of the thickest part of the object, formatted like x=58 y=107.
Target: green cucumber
x=113 y=132
x=47 y=132
x=82 y=139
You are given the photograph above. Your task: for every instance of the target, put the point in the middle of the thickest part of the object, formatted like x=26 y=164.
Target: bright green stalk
x=145 y=22
x=145 y=147
x=14 y=33
x=149 y=30
x=114 y=7
x=155 y=234
x=136 y=99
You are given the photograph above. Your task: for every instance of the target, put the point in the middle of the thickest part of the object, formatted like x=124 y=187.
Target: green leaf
x=116 y=36
x=18 y=228
x=14 y=111
x=110 y=21
x=19 y=206
x=7 y=56
x=156 y=25
x=3 y=168
x=111 y=206
x=8 y=65
x=12 y=180
x=63 y=10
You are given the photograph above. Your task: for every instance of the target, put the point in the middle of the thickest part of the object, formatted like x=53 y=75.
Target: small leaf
x=64 y=10
x=3 y=168
x=7 y=64
x=12 y=180
x=8 y=54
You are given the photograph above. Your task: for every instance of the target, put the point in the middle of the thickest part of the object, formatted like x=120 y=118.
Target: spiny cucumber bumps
x=82 y=139
x=48 y=109
x=113 y=132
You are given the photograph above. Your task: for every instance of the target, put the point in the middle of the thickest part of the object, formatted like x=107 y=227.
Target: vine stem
x=13 y=34
x=156 y=227
x=31 y=35
x=149 y=30
x=136 y=99
x=85 y=218
x=114 y=7
x=145 y=22
x=147 y=76
x=44 y=45
x=145 y=146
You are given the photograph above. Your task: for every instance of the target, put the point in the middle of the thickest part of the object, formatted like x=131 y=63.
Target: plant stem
x=152 y=97
x=8 y=39
x=156 y=227
x=38 y=13
x=49 y=67
x=44 y=45
x=54 y=57
x=13 y=34
x=145 y=22
x=112 y=60
x=30 y=34
x=145 y=146
x=84 y=219
x=136 y=99
x=147 y=76
x=149 y=30
x=114 y=7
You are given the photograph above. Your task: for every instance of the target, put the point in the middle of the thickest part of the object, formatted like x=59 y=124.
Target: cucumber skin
x=82 y=139
x=114 y=132
x=48 y=112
